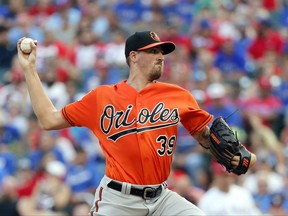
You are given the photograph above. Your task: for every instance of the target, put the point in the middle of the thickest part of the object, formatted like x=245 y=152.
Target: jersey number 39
x=167 y=145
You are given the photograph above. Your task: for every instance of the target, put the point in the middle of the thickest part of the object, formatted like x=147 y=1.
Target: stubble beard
x=156 y=72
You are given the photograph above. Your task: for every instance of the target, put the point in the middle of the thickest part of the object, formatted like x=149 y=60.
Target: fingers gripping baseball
x=26 y=51
x=26 y=46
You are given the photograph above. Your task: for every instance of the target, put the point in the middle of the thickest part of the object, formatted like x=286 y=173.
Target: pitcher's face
x=151 y=61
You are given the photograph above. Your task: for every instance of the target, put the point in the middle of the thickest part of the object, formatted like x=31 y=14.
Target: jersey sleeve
x=82 y=112
x=193 y=117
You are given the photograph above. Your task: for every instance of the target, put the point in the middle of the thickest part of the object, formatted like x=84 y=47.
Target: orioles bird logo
x=154 y=36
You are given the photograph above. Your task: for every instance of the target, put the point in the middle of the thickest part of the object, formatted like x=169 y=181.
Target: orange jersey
x=137 y=131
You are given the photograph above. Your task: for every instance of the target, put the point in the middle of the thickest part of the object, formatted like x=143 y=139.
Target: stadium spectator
x=8 y=197
x=267 y=40
x=47 y=148
x=225 y=197
x=128 y=12
x=8 y=51
x=50 y=196
x=221 y=105
x=263 y=103
x=64 y=21
x=180 y=182
x=229 y=62
x=25 y=26
x=83 y=175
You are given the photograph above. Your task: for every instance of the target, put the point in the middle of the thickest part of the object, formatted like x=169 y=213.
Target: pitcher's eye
x=154 y=50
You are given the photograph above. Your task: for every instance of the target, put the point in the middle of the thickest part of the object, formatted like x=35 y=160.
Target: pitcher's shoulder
x=171 y=86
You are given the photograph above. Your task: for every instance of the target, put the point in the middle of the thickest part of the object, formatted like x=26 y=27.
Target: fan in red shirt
x=267 y=39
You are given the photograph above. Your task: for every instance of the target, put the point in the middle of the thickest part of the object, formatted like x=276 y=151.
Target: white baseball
x=25 y=45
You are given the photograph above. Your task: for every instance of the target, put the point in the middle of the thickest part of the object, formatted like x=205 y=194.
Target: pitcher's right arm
x=49 y=117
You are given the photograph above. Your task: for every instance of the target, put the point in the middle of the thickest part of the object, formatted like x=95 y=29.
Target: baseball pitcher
x=136 y=122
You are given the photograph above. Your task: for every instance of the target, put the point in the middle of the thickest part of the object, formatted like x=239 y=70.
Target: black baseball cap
x=145 y=40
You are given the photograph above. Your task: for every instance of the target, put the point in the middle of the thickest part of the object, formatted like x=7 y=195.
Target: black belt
x=146 y=193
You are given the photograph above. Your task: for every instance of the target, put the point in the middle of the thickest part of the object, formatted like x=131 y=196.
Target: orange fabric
x=137 y=130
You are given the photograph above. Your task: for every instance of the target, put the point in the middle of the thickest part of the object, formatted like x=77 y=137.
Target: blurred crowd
x=232 y=55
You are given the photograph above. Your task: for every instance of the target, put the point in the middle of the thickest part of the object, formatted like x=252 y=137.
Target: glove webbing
x=224 y=158
x=228 y=147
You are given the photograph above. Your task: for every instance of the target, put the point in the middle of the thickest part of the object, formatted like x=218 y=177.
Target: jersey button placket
x=139 y=100
x=139 y=106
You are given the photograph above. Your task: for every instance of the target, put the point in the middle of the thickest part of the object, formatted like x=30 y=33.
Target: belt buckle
x=148 y=193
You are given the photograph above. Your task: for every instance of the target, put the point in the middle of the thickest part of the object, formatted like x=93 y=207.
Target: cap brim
x=167 y=46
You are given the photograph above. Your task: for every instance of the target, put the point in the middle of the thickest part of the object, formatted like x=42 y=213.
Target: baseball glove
x=225 y=145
